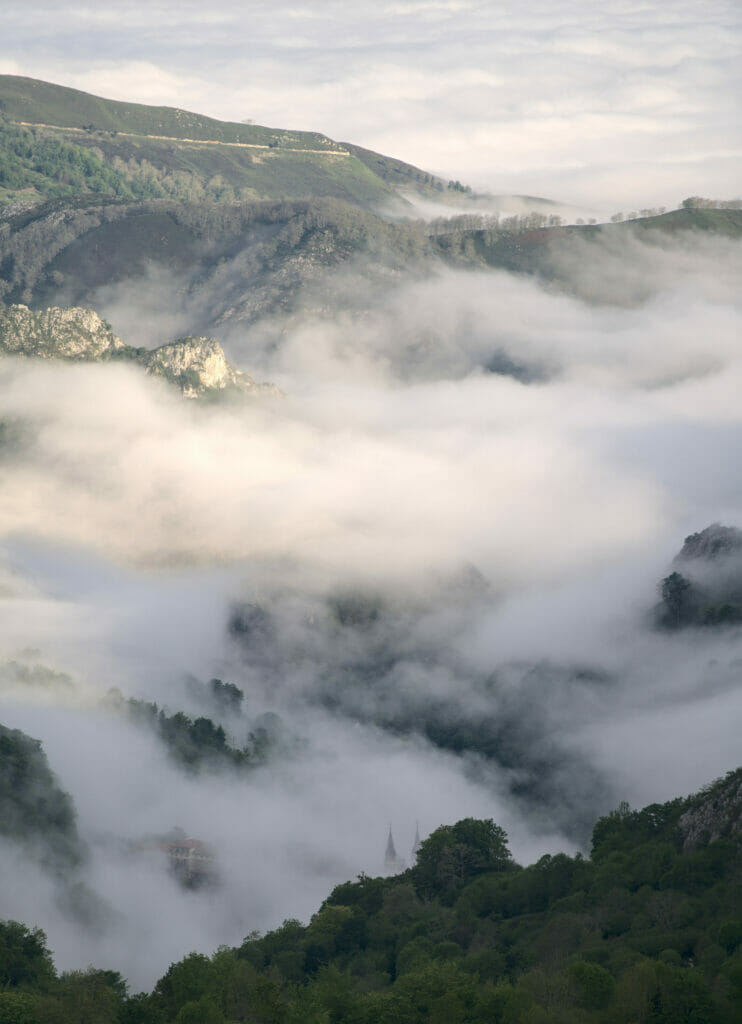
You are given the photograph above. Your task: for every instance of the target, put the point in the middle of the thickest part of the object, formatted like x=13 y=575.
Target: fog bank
x=440 y=577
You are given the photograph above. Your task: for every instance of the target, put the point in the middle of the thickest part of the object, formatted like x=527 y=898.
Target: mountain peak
x=199 y=366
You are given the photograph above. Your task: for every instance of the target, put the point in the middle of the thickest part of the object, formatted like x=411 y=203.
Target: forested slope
x=646 y=929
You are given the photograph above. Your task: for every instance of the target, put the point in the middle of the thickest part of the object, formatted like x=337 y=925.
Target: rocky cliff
x=57 y=333
x=715 y=813
x=197 y=366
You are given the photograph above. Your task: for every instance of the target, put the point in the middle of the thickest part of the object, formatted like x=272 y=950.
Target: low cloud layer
x=440 y=577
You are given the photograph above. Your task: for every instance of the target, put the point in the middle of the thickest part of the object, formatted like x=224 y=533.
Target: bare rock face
x=197 y=366
x=714 y=814
x=57 y=333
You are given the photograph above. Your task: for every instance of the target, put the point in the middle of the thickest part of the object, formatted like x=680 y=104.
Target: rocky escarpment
x=715 y=813
x=197 y=366
x=57 y=333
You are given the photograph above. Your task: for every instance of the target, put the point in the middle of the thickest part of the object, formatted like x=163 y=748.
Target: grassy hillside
x=39 y=163
x=719 y=222
x=57 y=142
x=398 y=174
x=525 y=246
x=30 y=100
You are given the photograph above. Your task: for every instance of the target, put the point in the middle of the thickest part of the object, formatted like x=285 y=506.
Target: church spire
x=416 y=843
x=390 y=857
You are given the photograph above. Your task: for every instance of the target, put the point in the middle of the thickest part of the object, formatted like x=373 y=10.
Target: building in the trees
x=191 y=861
x=392 y=863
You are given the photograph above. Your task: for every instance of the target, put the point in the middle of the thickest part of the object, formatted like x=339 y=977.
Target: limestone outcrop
x=57 y=333
x=199 y=367
x=196 y=365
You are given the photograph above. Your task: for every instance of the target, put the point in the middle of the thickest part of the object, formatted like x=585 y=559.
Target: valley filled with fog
x=430 y=564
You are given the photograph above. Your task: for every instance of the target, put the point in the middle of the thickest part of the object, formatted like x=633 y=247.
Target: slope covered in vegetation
x=56 y=141
x=35 y=812
x=31 y=100
x=646 y=929
x=705 y=587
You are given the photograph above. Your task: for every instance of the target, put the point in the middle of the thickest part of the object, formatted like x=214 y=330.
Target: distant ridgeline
x=230 y=265
x=201 y=743
x=94 y=192
x=705 y=587
x=37 y=815
x=197 y=366
x=39 y=818
x=56 y=141
x=646 y=930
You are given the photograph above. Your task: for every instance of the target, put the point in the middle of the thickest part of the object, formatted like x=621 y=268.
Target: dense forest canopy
x=647 y=929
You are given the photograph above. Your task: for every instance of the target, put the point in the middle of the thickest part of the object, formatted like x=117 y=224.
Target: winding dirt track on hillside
x=195 y=142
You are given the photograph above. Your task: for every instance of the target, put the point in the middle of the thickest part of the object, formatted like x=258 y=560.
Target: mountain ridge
x=196 y=365
x=45 y=104
x=55 y=140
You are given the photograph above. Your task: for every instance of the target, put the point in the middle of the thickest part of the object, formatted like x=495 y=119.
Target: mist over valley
x=342 y=502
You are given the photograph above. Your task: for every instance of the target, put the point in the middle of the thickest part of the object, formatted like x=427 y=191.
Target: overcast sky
x=622 y=104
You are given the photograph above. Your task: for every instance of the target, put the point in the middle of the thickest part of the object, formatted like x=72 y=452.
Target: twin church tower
x=394 y=865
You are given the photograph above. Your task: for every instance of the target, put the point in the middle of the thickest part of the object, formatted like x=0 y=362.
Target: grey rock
x=57 y=333
x=715 y=813
x=197 y=366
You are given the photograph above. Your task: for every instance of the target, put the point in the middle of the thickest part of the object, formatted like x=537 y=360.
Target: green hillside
x=56 y=141
x=257 y=258
x=60 y=251
x=30 y=100
x=40 y=163
x=646 y=930
x=720 y=222
x=406 y=177
x=34 y=812
x=524 y=244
